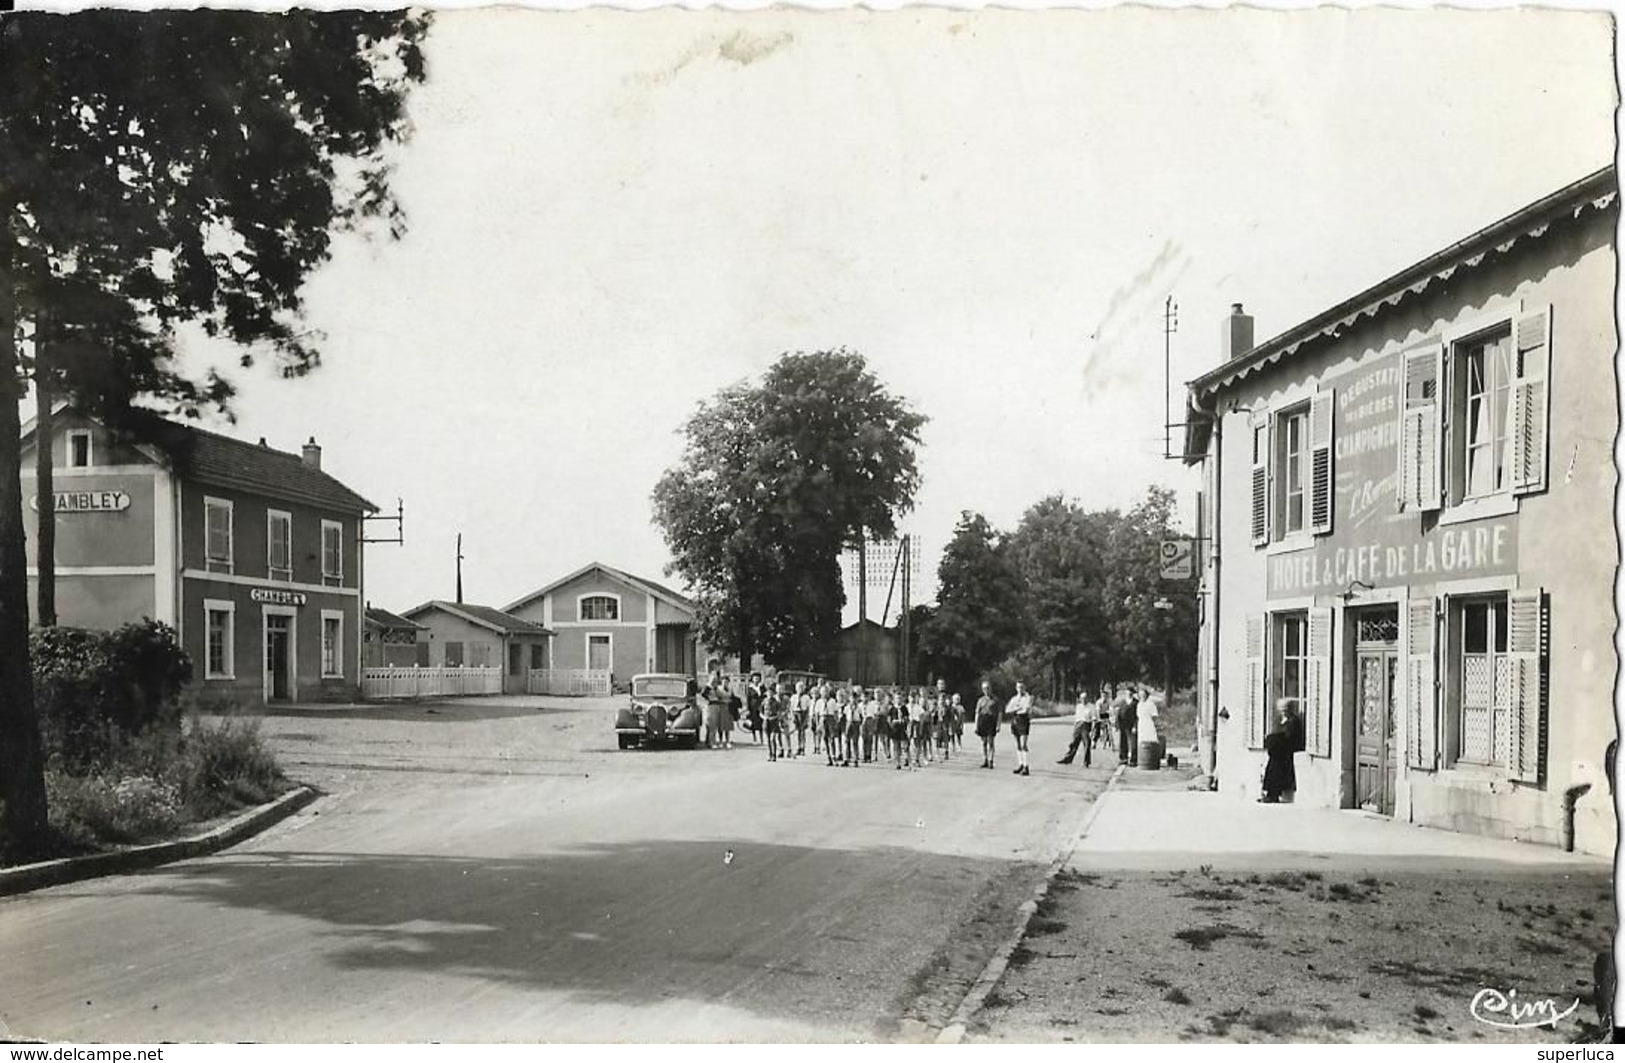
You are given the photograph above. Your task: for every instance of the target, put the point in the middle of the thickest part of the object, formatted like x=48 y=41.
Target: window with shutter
x=1321 y=482
x=217 y=537
x=1421 y=409
x=1318 y=684
x=1526 y=653
x=279 y=545
x=1257 y=718
x=1261 y=484
x=1531 y=400
x=1421 y=694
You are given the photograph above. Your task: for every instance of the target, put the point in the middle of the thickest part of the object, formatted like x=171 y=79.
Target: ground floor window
x=1292 y=656
x=538 y=657
x=454 y=654
x=479 y=655
x=599 y=652
x=332 y=644
x=1481 y=698
x=220 y=626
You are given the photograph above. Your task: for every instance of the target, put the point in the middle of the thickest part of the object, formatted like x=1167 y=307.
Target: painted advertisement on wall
x=1371 y=541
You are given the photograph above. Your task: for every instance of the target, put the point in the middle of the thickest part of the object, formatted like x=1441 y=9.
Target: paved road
x=494 y=870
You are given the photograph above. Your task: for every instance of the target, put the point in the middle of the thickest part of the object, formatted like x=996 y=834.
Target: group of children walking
x=852 y=725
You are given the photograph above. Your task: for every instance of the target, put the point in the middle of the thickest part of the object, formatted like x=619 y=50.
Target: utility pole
x=459 y=568
x=863 y=607
x=1170 y=325
x=905 y=670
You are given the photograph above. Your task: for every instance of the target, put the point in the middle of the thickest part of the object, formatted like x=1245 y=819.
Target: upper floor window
x=1483 y=385
x=79 y=452
x=1294 y=430
x=1473 y=418
x=600 y=607
x=1292 y=478
x=217 y=534
x=332 y=553
x=279 y=545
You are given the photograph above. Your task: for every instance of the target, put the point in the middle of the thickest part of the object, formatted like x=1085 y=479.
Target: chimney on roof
x=1237 y=337
x=263 y=443
x=313 y=454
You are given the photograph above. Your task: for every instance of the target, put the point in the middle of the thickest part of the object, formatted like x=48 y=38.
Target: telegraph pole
x=1170 y=325
x=904 y=668
x=459 y=568
x=863 y=607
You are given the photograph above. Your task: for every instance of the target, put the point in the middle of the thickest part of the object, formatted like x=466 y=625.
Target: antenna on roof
x=459 y=568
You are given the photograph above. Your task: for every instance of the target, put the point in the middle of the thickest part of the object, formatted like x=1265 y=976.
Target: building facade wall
x=1559 y=540
x=477 y=645
x=130 y=545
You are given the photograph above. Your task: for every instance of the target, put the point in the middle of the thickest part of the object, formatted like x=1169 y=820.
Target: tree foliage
x=1068 y=599
x=161 y=168
x=979 y=616
x=776 y=478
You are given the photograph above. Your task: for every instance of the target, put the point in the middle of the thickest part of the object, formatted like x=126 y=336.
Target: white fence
x=568 y=682
x=429 y=682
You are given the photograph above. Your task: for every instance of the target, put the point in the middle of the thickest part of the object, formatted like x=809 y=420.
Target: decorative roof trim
x=1595 y=192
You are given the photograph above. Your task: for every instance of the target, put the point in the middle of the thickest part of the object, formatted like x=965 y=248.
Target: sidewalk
x=1164 y=828
x=1190 y=916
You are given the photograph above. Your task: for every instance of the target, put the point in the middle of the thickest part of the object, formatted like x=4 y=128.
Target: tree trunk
x=45 y=486
x=22 y=771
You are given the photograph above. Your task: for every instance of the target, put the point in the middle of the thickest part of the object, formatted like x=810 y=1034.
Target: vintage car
x=789 y=679
x=662 y=707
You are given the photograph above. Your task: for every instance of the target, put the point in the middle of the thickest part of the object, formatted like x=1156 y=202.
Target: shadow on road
x=452 y=710
x=787 y=932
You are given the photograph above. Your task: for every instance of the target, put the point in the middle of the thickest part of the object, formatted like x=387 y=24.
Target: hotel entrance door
x=1376 y=692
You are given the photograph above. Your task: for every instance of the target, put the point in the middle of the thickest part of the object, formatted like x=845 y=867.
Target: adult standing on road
x=725 y=718
x=1084 y=719
x=987 y=722
x=1123 y=713
x=1020 y=711
x=1146 y=716
x=754 y=695
x=716 y=707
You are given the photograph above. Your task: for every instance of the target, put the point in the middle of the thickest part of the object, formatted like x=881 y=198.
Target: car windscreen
x=659 y=688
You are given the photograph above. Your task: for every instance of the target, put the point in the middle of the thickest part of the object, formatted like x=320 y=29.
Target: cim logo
x=85 y=501
x=1495 y=1008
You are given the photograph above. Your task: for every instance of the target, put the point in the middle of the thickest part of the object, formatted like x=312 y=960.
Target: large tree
x=979 y=618
x=775 y=480
x=160 y=168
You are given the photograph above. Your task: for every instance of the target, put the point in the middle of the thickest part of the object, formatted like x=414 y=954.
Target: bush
x=87 y=811
x=226 y=766
x=95 y=688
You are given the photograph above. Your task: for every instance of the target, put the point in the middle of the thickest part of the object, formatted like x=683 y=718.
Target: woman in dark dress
x=1284 y=740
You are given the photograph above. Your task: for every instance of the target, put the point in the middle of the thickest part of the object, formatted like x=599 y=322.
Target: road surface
x=495 y=870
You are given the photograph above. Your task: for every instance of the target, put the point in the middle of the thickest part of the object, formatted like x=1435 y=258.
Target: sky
x=612 y=215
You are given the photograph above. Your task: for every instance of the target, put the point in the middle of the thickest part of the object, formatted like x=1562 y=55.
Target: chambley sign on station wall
x=86 y=501
x=1371 y=540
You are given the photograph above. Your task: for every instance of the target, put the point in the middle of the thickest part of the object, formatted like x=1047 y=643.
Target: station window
x=332 y=644
x=217 y=534
x=79 y=453
x=221 y=622
x=279 y=545
x=600 y=607
x=332 y=553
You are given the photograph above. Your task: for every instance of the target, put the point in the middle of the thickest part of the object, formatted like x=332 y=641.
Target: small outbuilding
x=458 y=634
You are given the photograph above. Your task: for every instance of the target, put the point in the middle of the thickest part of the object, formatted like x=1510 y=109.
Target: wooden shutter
x=1321 y=485
x=1420 y=430
x=1531 y=398
x=1318 y=713
x=1261 y=483
x=1526 y=649
x=1421 y=691
x=1257 y=720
